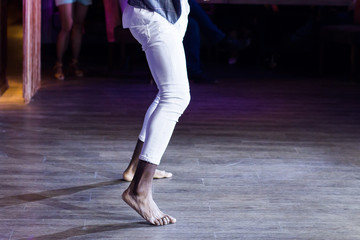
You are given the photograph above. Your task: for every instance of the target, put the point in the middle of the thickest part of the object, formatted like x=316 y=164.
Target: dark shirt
x=169 y=9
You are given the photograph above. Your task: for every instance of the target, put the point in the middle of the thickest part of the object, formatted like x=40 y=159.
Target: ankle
x=142 y=181
x=74 y=66
x=58 y=71
x=133 y=167
x=58 y=64
x=139 y=191
x=58 y=67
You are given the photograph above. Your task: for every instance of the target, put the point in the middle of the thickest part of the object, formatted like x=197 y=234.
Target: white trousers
x=162 y=43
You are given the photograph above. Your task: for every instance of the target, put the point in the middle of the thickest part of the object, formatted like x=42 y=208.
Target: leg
x=207 y=27
x=130 y=170
x=66 y=12
x=166 y=59
x=192 y=50
x=76 y=35
x=168 y=66
x=159 y=130
x=192 y=47
x=214 y=35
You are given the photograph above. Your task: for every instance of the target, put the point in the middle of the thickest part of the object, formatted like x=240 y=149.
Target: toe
x=156 y=222
x=161 y=221
x=166 y=220
x=172 y=220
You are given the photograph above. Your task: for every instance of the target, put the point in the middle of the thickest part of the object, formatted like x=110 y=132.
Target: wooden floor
x=257 y=157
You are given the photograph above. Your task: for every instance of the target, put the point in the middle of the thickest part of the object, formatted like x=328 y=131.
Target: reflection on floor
x=14 y=94
x=14 y=61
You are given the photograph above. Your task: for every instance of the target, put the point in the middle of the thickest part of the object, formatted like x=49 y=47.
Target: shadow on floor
x=89 y=229
x=33 y=197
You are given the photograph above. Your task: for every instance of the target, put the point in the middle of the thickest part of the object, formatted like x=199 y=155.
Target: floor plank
x=254 y=157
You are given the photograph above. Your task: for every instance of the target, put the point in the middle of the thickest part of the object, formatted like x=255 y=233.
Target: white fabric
x=162 y=43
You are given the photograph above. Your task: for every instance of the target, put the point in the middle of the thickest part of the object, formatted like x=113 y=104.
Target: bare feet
x=139 y=195
x=129 y=174
x=147 y=208
x=162 y=174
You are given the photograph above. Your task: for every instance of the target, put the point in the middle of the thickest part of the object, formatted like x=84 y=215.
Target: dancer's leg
x=166 y=59
x=130 y=170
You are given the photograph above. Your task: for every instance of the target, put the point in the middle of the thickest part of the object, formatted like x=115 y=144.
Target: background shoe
x=74 y=67
x=59 y=73
x=233 y=46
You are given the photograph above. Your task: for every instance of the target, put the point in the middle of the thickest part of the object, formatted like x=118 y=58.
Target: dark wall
x=3 y=46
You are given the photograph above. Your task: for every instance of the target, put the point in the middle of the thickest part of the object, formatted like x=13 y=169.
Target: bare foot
x=147 y=208
x=128 y=175
x=162 y=174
